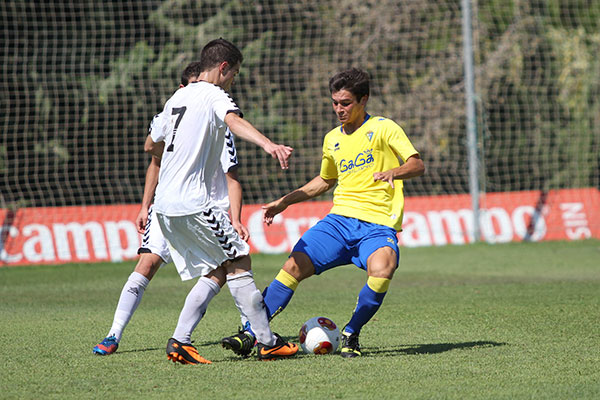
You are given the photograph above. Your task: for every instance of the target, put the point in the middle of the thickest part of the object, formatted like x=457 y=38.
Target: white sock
x=250 y=303
x=194 y=308
x=131 y=295
x=243 y=317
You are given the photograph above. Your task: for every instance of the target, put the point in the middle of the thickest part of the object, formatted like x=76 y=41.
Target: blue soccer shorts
x=337 y=240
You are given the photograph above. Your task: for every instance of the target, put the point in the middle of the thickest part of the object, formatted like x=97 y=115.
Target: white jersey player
x=153 y=241
x=201 y=238
x=154 y=250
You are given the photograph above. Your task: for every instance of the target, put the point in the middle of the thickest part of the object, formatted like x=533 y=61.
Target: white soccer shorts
x=153 y=240
x=200 y=243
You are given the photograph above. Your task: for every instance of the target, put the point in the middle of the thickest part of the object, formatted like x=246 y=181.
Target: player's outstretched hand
x=280 y=152
x=141 y=220
x=271 y=210
x=387 y=176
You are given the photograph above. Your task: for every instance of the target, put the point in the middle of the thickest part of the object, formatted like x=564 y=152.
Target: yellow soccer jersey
x=352 y=159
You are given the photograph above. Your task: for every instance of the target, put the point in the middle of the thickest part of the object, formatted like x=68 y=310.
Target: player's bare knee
x=382 y=263
x=238 y=265
x=148 y=264
x=299 y=266
x=219 y=276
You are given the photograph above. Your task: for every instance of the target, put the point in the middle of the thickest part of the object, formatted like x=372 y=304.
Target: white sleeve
x=229 y=153
x=154 y=122
x=157 y=129
x=223 y=104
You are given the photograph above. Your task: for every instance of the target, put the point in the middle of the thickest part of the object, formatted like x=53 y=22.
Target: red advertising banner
x=569 y=214
x=107 y=233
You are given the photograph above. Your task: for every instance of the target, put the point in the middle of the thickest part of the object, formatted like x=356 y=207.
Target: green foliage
x=539 y=84
x=579 y=79
x=514 y=321
x=54 y=148
x=575 y=14
x=92 y=84
x=123 y=70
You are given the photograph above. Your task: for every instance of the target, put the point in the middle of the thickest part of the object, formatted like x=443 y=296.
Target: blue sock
x=248 y=329
x=368 y=304
x=276 y=297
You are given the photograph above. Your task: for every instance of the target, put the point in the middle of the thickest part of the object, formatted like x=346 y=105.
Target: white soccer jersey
x=194 y=130
x=153 y=240
x=218 y=192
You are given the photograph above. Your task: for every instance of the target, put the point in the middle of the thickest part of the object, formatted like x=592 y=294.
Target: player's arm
x=149 y=189
x=245 y=130
x=155 y=149
x=234 y=188
x=412 y=168
x=315 y=187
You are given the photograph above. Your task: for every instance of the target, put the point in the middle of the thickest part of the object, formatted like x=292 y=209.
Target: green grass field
x=514 y=321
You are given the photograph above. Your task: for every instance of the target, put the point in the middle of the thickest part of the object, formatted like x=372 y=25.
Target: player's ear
x=363 y=100
x=224 y=67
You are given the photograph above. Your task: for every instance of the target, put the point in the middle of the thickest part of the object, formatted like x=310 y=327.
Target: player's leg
x=280 y=291
x=244 y=341
x=153 y=253
x=179 y=346
x=130 y=298
x=320 y=248
x=196 y=303
x=249 y=301
x=188 y=238
x=275 y=297
x=204 y=248
x=381 y=265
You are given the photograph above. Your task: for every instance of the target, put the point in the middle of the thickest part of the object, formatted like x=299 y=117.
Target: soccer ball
x=319 y=335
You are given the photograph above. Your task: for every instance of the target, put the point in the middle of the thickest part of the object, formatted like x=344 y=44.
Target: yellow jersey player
x=368 y=157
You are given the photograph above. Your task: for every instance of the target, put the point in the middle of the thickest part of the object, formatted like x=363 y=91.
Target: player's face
x=228 y=74
x=347 y=108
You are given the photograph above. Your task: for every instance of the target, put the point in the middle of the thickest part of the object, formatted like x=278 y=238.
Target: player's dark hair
x=219 y=50
x=191 y=71
x=354 y=80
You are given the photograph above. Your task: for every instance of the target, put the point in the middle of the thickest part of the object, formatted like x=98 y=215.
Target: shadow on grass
x=197 y=344
x=433 y=348
x=141 y=350
x=162 y=348
x=413 y=349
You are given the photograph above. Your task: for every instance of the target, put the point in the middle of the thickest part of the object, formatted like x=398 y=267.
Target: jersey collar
x=367 y=116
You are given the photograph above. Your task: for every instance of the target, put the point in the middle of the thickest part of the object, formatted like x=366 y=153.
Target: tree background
x=81 y=81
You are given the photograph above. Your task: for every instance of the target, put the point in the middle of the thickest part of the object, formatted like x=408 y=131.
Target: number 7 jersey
x=193 y=129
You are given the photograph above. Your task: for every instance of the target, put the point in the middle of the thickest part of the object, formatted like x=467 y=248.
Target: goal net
x=82 y=79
